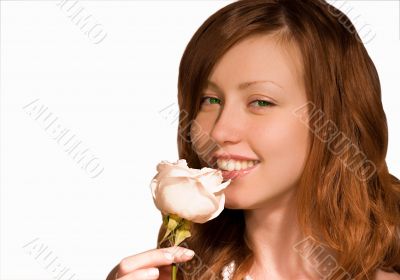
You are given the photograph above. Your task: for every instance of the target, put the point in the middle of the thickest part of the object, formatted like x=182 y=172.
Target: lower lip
x=235 y=174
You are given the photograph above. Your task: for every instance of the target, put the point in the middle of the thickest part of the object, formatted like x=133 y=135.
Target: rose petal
x=222 y=186
x=182 y=163
x=153 y=187
x=210 y=180
x=185 y=197
x=205 y=170
x=193 y=194
x=166 y=169
x=220 y=207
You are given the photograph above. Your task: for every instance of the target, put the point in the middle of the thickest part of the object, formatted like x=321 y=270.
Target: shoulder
x=383 y=275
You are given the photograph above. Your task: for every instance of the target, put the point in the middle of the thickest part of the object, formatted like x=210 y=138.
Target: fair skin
x=140 y=266
x=242 y=123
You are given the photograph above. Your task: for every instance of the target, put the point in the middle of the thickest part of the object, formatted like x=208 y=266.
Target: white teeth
x=238 y=166
x=231 y=165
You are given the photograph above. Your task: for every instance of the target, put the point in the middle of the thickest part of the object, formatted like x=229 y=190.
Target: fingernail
x=152 y=272
x=168 y=256
x=189 y=253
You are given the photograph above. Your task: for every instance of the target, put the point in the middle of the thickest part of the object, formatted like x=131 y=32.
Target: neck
x=272 y=231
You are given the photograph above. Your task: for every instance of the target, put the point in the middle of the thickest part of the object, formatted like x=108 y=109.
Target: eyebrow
x=241 y=86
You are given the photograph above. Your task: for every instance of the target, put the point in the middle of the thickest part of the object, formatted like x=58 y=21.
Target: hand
x=152 y=264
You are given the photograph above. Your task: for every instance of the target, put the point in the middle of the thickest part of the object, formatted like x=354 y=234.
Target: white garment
x=227 y=272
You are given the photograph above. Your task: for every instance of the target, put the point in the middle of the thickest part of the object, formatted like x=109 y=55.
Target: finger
x=155 y=257
x=142 y=274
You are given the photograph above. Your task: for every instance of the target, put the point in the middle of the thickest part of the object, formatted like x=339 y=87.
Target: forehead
x=259 y=57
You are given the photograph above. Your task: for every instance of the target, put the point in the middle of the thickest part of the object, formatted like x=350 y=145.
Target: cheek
x=199 y=134
x=200 y=126
x=284 y=146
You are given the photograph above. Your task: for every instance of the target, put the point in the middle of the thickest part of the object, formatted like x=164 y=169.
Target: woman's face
x=256 y=120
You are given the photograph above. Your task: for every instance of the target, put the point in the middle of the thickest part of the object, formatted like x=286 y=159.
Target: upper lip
x=228 y=156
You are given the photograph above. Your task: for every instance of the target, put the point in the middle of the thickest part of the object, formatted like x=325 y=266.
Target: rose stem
x=174 y=271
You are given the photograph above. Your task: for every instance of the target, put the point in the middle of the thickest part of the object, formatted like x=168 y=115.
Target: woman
x=286 y=94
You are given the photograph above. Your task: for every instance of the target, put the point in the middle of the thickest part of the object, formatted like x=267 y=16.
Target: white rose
x=193 y=194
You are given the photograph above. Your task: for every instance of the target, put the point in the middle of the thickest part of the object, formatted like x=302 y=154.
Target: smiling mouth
x=233 y=164
x=235 y=174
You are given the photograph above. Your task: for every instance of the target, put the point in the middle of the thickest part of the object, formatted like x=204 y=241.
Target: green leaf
x=165 y=236
x=180 y=235
x=171 y=221
x=186 y=224
x=165 y=220
x=175 y=218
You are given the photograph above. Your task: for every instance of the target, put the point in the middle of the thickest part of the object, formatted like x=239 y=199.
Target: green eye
x=212 y=100
x=262 y=103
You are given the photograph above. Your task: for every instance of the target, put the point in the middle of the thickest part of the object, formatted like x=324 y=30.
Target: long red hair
x=347 y=199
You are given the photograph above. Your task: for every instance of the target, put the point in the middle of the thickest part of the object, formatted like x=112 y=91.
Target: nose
x=229 y=126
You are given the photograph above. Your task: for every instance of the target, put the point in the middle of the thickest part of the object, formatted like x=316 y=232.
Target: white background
x=109 y=94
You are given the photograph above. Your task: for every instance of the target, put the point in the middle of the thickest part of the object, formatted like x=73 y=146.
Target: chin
x=234 y=201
